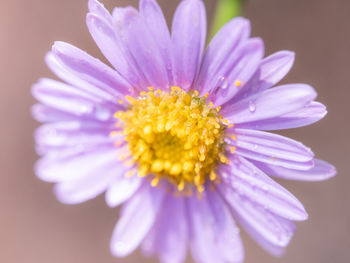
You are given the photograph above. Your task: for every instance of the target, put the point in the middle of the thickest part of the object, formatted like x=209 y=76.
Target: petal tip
x=118 y=249
x=92 y=4
x=303 y=216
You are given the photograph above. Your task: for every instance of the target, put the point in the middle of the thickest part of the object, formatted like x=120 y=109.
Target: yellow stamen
x=233 y=149
x=155 y=182
x=212 y=176
x=113 y=133
x=143 y=170
x=118 y=114
x=238 y=83
x=181 y=185
x=200 y=188
x=225 y=121
x=223 y=159
x=130 y=173
x=130 y=99
x=174 y=135
x=175 y=169
x=157 y=166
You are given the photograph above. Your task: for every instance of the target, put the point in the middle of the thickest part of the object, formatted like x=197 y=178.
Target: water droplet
x=84 y=109
x=223 y=82
x=265 y=188
x=102 y=114
x=252 y=106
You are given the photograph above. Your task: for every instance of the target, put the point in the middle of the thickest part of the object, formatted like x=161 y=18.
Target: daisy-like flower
x=177 y=133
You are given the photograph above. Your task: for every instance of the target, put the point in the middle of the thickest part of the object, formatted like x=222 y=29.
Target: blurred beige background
x=35 y=228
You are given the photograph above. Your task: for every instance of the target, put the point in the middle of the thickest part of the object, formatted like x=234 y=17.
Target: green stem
x=225 y=11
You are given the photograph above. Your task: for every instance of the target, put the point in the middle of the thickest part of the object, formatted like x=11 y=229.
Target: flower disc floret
x=174 y=135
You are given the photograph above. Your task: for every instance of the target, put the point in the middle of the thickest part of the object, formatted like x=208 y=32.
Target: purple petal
x=43 y=113
x=253 y=185
x=271 y=148
x=188 y=38
x=138 y=216
x=321 y=171
x=307 y=115
x=270 y=103
x=72 y=165
x=169 y=235
x=259 y=222
x=91 y=70
x=107 y=31
x=275 y=250
x=70 y=134
x=72 y=101
x=105 y=37
x=145 y=51
x=122 y=189
x=275 y=161
x=240 y=66
x=273 y=233
x=152 y=14
x=225 y=43
x=61 y=71
x=276 y=66
x=131 y=71
x=271 y=70
x=215 y=237
x=98 y=9
x=88 y=186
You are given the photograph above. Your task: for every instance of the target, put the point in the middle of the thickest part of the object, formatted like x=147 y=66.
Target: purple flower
x=177 y=133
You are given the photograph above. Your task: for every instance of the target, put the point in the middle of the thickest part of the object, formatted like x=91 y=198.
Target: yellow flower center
x=174 y=135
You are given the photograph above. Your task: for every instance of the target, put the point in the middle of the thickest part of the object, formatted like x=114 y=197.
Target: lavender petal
x=188 y=39
x=322 y=170
x=137 y=217
x=270 y=103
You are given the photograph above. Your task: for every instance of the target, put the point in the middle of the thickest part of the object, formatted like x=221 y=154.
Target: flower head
x=177 y=134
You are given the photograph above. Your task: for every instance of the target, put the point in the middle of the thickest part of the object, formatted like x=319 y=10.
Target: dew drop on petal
x=265 y=188
x=252 y=106
x=84 y=109
x=102 y=114
x=223 y=82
